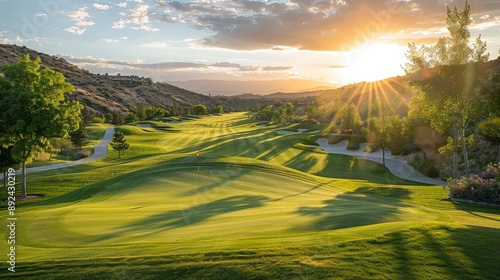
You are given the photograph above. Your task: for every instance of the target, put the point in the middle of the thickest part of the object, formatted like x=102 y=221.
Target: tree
x=289 y=109
x=141 y=112
x=108 y=118
x=217 y=109
x=199 y=109
x=350 y=119
x=374 y=127
x=57 y=145
x=176 y=111
x=279 y=115
x=447 y=76
x=33 y=105
x=130 y=118
x=117 y=119
x=314 y=109
x=490 y=129
x=79 y=137
x=119 y=143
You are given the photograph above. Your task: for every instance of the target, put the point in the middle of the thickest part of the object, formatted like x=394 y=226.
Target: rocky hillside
x=101 y=94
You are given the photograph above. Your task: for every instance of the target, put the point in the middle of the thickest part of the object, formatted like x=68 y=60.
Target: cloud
x=169 y=66
x=138 y=17
x=101 y=6
x=75 y=30
x=277 y=68
x=310 y=24
x=122 y=4
x=79 y=17
x=118 y=24
x=113 y=40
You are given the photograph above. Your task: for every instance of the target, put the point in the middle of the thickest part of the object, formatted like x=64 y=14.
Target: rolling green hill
x=260 y=207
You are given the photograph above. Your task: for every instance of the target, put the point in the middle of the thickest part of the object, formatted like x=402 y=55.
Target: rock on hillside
x=101 y=94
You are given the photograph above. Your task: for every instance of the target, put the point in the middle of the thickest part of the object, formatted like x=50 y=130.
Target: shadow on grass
x=363 y=206
x=429 y=252
x=188 y=216
x=479 y=210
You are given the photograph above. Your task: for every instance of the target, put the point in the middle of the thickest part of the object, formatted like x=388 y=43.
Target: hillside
x=101 y=94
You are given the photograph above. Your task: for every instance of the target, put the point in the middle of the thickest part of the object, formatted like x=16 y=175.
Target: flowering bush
x=484 y=187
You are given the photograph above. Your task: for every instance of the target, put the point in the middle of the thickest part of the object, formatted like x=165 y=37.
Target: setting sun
x=372 y=62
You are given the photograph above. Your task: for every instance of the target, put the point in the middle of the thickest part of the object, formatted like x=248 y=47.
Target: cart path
x=100 y=151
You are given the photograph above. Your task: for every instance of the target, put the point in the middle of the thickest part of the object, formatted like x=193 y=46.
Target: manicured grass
x=259 y=208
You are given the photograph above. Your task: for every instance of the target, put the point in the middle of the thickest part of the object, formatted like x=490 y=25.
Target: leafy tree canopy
x=33 y=108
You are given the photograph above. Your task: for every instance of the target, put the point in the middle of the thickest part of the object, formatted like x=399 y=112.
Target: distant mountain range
x=232 y=88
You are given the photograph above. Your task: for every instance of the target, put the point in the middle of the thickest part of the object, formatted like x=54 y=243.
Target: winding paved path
x=100 y=151
x=398 y=167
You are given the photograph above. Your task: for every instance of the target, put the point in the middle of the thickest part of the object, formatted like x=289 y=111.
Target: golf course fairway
x=254 y=205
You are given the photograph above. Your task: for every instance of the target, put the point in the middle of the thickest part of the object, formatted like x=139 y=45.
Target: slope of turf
x=257 y=208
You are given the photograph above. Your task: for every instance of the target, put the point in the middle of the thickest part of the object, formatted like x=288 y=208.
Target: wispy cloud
x=101 y=6
x=170 y=65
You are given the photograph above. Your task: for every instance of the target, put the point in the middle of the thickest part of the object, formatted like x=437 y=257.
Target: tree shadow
x=479 y=210
x=363 y=206
x=185 y=217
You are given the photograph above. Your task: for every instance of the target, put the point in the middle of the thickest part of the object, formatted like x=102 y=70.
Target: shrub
x=425 y=166
x=97 y=120
x=484 y=187
x=199 y=109
x=81 y=154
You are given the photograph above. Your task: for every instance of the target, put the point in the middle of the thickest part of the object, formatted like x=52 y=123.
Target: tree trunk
x=464 y=150
x=23 y=188
x=4 y=179
x=455 y=155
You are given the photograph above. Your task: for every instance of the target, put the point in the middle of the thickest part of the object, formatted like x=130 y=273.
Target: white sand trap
x=397 y=167
x=300 y=131
x=143 y=125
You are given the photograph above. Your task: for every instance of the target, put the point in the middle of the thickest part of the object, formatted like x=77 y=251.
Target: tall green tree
x=314 y=109
x=34 y=108
x=350 y=119
x=447 y=76
x=119 y=143
x=79 y=137
x=141 y=112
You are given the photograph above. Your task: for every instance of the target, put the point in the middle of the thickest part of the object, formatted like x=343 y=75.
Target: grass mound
x=258 y=208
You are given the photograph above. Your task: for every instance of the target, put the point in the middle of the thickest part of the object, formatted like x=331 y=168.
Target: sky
x=335 y=42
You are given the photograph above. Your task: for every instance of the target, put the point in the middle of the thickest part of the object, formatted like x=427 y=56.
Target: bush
x=97 y=120
x=81 y=154
x=484 y=187
x=199 y=109
x=425 y=166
